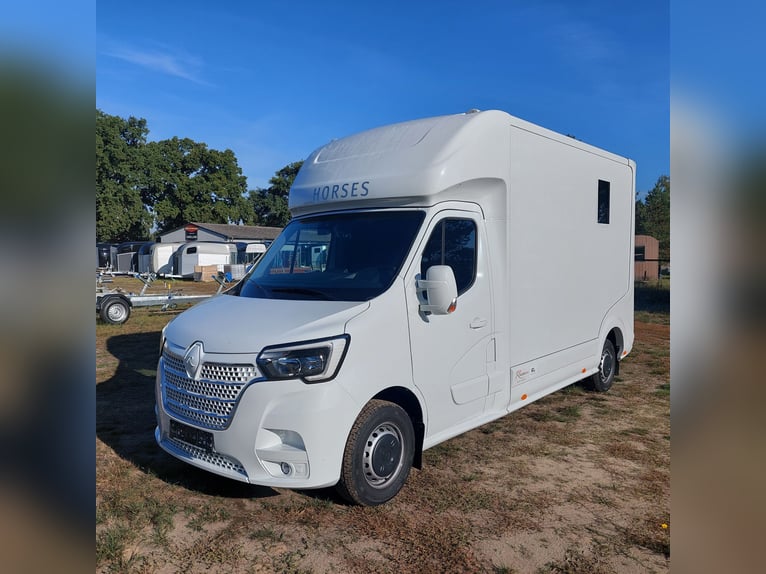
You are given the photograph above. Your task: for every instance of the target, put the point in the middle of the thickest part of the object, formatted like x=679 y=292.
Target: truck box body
x=532 y=229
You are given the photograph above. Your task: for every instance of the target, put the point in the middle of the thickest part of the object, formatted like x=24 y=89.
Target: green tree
x=187 y=181
x=120 y=211
x=640 y=218
x=270 y=204
x=653 y=215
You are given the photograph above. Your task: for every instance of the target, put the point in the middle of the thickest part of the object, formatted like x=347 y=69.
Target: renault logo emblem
x=193 y=360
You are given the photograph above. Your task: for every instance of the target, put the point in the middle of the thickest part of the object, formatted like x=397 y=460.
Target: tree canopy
x=145 y=187
x=120 y=212
x=653 y=215
x=270 y=204
x=187 y=181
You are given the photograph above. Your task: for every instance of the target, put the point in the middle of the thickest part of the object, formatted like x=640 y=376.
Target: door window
x=453 y=243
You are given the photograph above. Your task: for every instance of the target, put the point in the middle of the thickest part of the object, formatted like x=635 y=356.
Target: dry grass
x=577 y=482
x=578 y=561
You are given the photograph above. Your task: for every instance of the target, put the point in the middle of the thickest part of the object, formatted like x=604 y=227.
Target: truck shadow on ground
x=125 y=421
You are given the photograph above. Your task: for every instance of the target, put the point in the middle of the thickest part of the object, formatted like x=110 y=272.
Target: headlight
x=312 y=361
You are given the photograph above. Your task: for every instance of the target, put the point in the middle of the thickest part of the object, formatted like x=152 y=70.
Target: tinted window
x=453 y=243
x=603 y=201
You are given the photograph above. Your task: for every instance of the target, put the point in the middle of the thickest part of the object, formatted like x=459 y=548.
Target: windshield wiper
x=302 y=291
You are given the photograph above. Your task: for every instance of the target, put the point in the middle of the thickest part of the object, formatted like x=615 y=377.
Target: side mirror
x=441 y=290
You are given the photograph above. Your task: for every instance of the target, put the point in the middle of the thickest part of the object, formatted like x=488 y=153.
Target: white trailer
x=162 y=258
x=507 y=275
x=194 y=253
x=249 y=252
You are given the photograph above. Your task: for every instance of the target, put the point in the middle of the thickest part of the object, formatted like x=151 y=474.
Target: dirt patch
x=576 y=482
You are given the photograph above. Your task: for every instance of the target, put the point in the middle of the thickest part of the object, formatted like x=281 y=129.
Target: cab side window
x=453 y=243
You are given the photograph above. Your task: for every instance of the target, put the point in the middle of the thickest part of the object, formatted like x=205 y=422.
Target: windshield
x=340 y=257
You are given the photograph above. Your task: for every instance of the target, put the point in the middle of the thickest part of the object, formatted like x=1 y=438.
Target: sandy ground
x=577 y=482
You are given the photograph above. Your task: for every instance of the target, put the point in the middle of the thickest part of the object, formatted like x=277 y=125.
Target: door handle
x=478 y=323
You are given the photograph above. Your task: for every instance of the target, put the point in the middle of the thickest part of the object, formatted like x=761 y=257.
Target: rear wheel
x=115 y=310
x=602 y=381
x=378 y=455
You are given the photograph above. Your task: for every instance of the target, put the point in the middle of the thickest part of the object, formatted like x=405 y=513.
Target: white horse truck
x=437 y=274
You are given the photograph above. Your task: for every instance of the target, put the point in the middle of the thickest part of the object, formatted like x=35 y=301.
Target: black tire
x=115 y=310
x=378 y=456
x=607 y=368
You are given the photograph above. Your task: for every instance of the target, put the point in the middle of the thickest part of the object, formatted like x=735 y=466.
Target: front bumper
x=281 y=434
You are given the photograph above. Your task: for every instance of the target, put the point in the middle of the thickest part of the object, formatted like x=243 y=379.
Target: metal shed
x=647 y=259
x=196 y=231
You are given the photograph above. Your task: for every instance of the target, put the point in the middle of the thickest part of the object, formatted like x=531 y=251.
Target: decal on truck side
x=522 y=374
x=342 y=190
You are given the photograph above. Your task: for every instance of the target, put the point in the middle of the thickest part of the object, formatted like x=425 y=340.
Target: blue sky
x=274 y=80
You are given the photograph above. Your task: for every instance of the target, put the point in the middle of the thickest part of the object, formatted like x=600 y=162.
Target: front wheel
x=602 y=381
x=378 y=455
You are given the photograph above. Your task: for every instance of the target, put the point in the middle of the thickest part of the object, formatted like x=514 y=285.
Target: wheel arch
x=617 y=339
x=112 y=296
x=615 y=335
x=407 y=400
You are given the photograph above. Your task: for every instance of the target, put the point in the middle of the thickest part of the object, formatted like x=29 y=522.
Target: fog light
x=286 y=468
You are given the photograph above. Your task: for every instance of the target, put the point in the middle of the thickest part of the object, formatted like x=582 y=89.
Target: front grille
x=214 y=371
x=228 y=373
x=208 y=402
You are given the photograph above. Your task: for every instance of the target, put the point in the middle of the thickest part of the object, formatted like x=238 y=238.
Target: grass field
x=577 y=482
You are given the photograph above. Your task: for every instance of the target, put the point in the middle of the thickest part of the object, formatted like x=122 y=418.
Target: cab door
x=450 y=353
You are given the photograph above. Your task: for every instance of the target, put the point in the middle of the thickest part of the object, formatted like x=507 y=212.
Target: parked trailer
x=144 y=258
x=248 y=252
x=199 y=253
x=106 y=255
x=114 y=305
x=161 y=255
x=507 y=274
x=127 y=256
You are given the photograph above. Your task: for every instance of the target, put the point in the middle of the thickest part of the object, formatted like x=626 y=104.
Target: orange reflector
x=452 y=307
x=584 y=370
x=524 y=397
x=624 y=353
